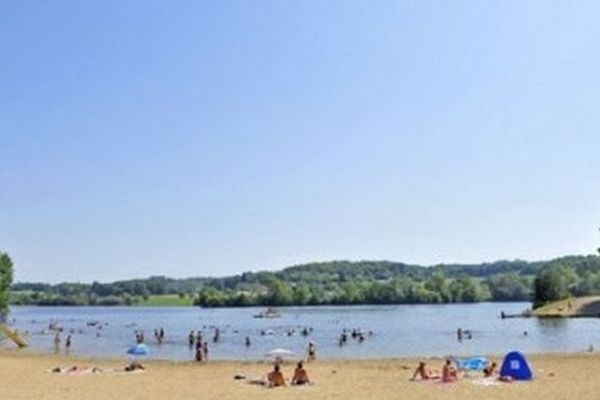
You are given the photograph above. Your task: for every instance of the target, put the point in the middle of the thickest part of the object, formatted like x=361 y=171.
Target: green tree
x=465 y=289
x=279 y=293
x=6 y=278
x=302 y=295
x=509 y=287
x=438 y=283
x=551 y=284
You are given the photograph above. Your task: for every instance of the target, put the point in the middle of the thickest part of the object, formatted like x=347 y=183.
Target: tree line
x=343 y=282
x=6 y=277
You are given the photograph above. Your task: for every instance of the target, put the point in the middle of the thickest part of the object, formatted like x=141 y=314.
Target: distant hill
x=334 y=282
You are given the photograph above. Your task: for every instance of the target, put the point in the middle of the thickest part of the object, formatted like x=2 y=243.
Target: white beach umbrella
x=279 y=352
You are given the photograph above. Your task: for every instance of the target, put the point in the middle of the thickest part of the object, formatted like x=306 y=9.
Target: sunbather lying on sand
x=134 y=366
x=76 y=370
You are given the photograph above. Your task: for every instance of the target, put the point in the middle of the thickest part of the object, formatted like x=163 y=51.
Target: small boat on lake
x=268 y=313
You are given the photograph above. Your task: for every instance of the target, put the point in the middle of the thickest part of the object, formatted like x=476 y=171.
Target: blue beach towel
x=471 y=363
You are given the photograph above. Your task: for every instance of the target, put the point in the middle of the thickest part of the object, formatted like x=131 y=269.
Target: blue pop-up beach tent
x=515 y=365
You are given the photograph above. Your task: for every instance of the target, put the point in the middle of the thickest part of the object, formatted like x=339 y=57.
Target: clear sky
x=190 y=138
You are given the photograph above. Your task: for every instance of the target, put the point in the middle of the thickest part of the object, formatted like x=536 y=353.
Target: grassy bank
x=572 y=307
x=166 y=300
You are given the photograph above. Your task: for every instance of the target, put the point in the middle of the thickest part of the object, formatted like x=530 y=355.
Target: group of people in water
x=449 y=372
x=58 y=341
x=462 y=334
x=159 y=335
x=200 y=346
x=355 y=333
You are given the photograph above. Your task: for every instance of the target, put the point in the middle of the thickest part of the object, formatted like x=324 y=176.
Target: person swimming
x=275 y=377
x=300 y=375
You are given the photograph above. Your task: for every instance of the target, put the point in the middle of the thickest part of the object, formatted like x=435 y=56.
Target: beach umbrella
x=139 y=350
x=279 y=353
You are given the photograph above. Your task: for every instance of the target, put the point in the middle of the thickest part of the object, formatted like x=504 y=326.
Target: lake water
x=402 y=330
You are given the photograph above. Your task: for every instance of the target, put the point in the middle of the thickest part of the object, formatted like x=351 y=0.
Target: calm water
x=404 y=330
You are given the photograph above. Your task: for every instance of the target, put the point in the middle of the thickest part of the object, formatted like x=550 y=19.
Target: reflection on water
x=403 y=330
x=552 y=323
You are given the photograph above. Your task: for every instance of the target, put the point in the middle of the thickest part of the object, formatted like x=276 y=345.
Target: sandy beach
x=24 y=376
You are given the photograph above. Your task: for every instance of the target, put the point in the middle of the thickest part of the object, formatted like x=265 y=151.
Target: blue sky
x=209 y=138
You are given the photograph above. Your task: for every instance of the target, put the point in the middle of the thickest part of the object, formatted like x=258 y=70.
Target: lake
x=398 y=331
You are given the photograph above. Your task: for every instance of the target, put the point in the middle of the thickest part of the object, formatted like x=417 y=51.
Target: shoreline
x=28 y=352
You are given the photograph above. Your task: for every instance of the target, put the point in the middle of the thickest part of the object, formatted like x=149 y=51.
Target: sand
x=23 y=376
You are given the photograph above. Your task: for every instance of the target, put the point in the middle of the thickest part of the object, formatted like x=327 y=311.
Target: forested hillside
x=342 y=282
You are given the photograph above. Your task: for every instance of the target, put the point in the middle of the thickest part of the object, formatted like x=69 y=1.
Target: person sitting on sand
x=490 y=370
x=275 y=377
x=449 y=373
x=300 y=375
x=423 y=372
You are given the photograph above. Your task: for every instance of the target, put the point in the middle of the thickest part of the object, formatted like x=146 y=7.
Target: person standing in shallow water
x=312 y=352
x=68 y=343
x=199 y=356
x=57 y=341
x=247 y=341
x=205 y=351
